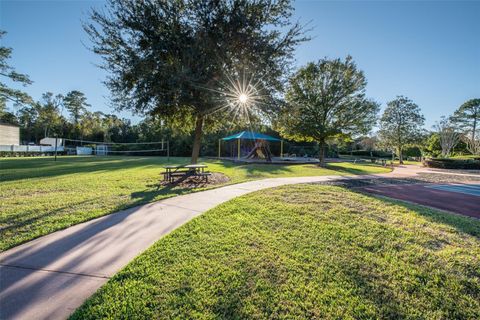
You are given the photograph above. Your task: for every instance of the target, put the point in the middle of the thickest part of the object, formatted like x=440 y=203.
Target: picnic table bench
x=197 y=170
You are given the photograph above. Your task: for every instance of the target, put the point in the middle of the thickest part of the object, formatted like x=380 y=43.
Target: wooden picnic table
x=185 y=170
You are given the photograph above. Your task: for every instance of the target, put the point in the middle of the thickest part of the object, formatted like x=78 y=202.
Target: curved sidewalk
x=49 y=277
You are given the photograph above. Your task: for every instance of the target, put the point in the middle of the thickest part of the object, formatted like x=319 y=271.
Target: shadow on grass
x=352 y=170
x=19 y=227
x=258 y=170
x=89 y=239
x=27 y=168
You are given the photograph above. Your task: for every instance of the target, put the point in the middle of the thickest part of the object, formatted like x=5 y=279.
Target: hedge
x=444 y=163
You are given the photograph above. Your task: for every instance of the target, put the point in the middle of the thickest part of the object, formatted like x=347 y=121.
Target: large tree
x=76 y=104
x=401 y=125
x=467 y=117
x=49 y=121
x=8 y=73
x=325 y=100
x=448 y=134
x=169 y=58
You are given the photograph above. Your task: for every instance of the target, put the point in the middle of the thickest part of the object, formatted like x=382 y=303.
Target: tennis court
x=473 y=189
x=459 y=198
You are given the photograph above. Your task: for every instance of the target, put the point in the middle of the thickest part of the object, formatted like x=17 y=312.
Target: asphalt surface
x=462 y=199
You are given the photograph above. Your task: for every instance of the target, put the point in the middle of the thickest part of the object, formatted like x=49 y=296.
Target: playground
x=254 y=147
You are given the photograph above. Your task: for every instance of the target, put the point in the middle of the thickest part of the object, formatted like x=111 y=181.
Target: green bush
x=444 y=163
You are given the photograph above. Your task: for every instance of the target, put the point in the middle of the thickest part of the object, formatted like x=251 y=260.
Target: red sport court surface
x=458 y=198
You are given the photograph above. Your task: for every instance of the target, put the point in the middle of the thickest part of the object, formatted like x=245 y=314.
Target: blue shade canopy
x=249 y=135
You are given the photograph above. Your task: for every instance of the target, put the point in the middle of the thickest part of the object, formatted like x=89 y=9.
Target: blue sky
x=426 y=50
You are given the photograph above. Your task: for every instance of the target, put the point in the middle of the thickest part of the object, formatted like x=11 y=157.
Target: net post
x=56 y=149
x=168 y=151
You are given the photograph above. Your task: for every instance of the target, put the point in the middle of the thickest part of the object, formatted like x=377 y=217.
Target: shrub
x=444 y=163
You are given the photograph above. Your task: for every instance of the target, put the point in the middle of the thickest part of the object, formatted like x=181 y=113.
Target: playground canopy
x=250 y=135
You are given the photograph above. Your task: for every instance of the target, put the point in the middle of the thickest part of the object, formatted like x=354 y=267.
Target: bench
x=197 y=170
x=204 y=174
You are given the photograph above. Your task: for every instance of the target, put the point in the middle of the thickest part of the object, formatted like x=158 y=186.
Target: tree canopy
x=401 y=125
x=169 y=58
x=467 y=118
x=327 y=99
x=76 y=104
x=448 y=135
x=8 y=73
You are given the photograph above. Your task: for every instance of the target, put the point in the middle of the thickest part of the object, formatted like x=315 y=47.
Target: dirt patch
x=192 y=182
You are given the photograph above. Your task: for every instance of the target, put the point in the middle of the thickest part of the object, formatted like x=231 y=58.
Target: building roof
x=250 y=135
x=9 y=124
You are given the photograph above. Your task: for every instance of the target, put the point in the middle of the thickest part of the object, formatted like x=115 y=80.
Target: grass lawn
x=418 y=163
x=303 y=252
x=39 y=196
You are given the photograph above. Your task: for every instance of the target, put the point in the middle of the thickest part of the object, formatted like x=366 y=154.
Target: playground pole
x=238 y=148
x=219 y=141
x=281 y=148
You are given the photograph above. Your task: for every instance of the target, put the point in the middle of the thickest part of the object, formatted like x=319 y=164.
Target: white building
x=51 y=142
x=9 y=134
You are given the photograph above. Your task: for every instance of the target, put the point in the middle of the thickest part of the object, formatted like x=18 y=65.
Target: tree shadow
x=351 y=170
x=22 y=288
x=19 y=168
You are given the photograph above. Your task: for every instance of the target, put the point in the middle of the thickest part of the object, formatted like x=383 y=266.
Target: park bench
x=183 y=171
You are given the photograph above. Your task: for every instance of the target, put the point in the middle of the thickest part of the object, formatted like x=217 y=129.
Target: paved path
x=48 y=278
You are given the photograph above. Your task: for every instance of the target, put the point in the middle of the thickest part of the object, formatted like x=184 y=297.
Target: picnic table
x=181 y=171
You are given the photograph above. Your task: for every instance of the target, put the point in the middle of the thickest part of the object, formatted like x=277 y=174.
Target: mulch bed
x=191 y=182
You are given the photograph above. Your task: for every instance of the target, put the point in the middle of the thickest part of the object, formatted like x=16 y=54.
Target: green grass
x=409 y=162
x=303 y=252
x=39 y=196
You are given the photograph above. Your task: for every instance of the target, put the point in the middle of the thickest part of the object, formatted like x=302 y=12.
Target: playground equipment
x=260 y=150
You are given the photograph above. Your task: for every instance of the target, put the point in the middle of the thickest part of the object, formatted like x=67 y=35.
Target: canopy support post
x=281 y=149
x=238 y=149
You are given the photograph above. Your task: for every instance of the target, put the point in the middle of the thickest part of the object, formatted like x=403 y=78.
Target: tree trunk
x=400 y=155
x=474 y=128
x=197 y=139
x=321 y=155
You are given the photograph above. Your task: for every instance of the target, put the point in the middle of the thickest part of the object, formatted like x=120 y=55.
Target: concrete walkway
x=49 y=277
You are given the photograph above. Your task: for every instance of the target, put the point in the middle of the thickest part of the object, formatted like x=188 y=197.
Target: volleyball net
x=100 y=148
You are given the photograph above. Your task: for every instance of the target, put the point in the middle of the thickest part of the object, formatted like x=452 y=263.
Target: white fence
x=84 y=150
x=28 y=148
